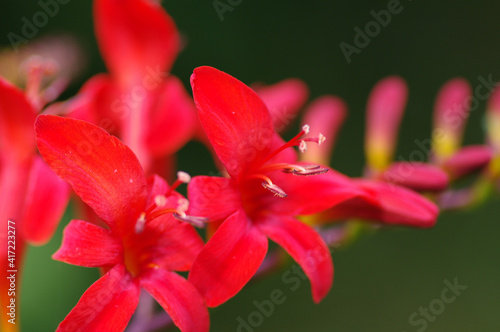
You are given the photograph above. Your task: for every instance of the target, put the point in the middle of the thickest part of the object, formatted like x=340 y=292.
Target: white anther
x=183 y=177
x=160 y=200
x=321 y=138
x=182 y=205
x=141 y=222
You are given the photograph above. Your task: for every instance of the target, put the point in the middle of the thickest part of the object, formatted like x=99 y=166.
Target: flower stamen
x=310 y=170
x=178 y=213
x=277 y=191
x=198 y=222
x=182 y=177
x=141 y=222
x=296 y=141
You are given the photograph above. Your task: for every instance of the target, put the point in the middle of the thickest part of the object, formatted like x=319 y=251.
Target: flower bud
x=385 y=109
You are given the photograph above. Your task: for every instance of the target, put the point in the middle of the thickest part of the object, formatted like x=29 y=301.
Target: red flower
x=144 y=242
x=261 y=198
x=139 y=98
x=31 y=195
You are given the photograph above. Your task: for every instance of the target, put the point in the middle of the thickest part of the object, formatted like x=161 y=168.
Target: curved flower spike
x=450 y=115
x=384 y=111
x=108 y=177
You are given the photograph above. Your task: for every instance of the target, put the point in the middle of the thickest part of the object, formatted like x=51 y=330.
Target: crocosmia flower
x=266 y=190
x=144 y=242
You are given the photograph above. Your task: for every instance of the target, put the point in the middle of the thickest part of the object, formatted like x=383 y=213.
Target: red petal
x=137 y=39
x=173 y=118
x=229 y=259
x=416 y=176
x=388 y=204
x=311 y=194
x=235 y=120
x=82 y=105
x=177 y=243
x=384 y=111
x=324 y=116
x=106 y=306
x=46 y=199
x=98 y=102
x=13 y=183
x=17 y=117
x=305 y=245
x=284 y=100
x=85 y=244
x=213 y=197
x=179 y=298
x=468 y=160
x=102 y=170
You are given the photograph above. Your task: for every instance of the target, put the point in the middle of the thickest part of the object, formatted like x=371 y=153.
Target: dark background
x=383 y=278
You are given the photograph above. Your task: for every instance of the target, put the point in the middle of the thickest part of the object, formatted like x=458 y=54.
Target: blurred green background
x=383 y=278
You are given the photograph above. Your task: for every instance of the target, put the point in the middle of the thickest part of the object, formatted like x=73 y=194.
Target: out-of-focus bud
x=450 y=115
x=284 y=100
x=468 y=160
x=385 y=108
x=324 y=115
x=493 y=120
x=416 y=176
